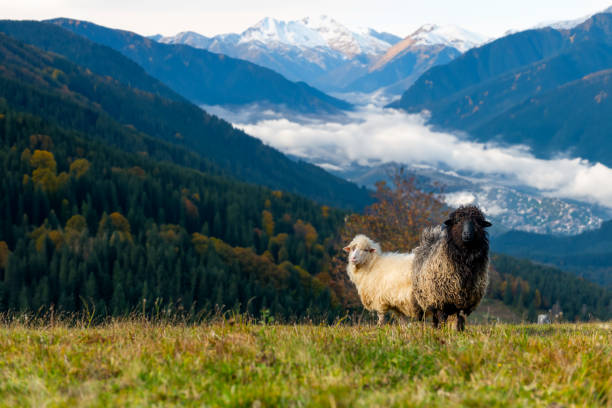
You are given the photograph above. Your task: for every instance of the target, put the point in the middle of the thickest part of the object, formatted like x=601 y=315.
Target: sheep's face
x=359 y=252
x=466 y=227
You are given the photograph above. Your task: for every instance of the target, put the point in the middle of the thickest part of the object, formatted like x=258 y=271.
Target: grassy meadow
x=236 y=363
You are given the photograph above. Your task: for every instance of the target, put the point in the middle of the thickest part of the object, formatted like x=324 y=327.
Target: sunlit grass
x=239 y=363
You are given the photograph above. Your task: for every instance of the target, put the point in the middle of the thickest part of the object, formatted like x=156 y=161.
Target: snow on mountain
x=316 y=50
x=449 y=35
x=569 y=24
x=313 y=32
x=404 y=62
x=186 y=37
x=271 y=31
x=431 y=36
x=340 y=38
x=330 y=56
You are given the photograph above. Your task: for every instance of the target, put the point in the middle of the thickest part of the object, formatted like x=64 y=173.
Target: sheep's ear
x=448 y=222
x=372 y=250
x=486 y=224
x=347 y=249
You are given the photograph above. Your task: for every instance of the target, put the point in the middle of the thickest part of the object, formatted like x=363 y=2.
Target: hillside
x=87 y=225
x=491 y=99
x=496 y=92
x=91 y=98
x=530 y=288
x=100 y=59
x=237 y=363
x=481 y=64
x=588 y=254
x=581 y=128
x=208 y=78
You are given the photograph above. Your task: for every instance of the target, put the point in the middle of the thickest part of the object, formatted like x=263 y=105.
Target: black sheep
x=450 y=274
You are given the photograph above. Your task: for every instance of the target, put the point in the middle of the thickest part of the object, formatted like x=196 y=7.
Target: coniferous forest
x=82 y=222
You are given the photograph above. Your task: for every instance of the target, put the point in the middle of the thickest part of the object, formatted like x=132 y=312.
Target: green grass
x=135 y=363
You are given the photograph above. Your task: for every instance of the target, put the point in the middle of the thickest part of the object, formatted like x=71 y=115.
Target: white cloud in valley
x=376 y=135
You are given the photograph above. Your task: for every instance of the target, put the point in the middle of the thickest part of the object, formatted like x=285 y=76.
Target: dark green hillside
x=482 y=64
x=106 y=108
x=208 y=78
x=530 y=288
x=544 y=88
x=588 y=254
x=575 y=117
x=489 y=100
x=100 y=59
x=85 y=223
x=506 y=55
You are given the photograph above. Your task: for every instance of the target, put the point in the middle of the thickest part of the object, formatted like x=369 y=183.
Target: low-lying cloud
x=376 y=135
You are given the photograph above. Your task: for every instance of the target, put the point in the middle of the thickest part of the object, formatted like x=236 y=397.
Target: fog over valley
x=372 y=135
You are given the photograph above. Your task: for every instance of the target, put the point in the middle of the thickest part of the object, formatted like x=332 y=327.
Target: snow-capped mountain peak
x=329 y=55
x=270 y=31
x=348 y=42
x=449 y=35
x=569 y=24
x=430 y=36
x=312 y=32
x=187 y=37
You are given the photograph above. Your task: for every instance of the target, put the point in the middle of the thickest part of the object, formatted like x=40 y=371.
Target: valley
x=202 y=112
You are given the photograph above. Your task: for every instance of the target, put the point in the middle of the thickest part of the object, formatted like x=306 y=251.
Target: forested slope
x=75 y=97
x=82 y=222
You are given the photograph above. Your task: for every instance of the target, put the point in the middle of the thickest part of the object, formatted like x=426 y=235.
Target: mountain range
x=334 y=58
x=516 y=90
x=207 y=78
x=86 y=98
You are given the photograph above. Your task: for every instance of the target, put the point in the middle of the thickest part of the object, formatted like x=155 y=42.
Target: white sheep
x=383 y=280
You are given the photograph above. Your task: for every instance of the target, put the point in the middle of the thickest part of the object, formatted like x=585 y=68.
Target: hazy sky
x=207 y=17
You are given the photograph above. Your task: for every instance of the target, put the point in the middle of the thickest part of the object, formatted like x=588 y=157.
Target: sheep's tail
x=429 y=237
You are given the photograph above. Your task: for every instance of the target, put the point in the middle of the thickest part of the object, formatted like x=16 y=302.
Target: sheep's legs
x=438 y=316
x=381 y=318
x=401 y=318
x=460 y=322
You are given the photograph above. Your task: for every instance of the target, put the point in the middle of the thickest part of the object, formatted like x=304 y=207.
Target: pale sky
x=488 y=17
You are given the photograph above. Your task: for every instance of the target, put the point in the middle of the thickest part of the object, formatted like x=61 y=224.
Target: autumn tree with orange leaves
x=398 y=216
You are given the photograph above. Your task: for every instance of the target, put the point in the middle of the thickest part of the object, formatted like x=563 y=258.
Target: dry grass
x=136 y=363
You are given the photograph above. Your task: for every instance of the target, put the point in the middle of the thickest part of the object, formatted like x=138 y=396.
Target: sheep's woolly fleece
x=383 y=280
x=449 y=276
